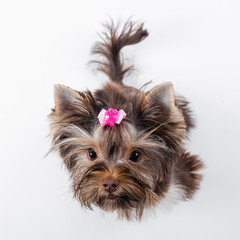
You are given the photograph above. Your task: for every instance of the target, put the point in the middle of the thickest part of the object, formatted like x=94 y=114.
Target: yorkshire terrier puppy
x=123 y=147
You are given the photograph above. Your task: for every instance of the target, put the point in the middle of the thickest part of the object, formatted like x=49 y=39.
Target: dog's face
x=125 y=167
x=137 y=162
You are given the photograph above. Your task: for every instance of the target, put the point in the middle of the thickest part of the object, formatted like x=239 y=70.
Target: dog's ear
x=75 y=107
x=65 y=99
x=162 y=98
x=159 y=109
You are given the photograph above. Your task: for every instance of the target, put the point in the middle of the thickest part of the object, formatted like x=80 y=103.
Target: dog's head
x=122 y=167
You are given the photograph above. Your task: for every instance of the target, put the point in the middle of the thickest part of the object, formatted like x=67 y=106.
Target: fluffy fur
x=156 y=126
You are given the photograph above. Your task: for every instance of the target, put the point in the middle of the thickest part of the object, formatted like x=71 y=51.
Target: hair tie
x=111 y=116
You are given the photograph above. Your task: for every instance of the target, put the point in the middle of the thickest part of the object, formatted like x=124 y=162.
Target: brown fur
x=110 y=48
x=156 y=125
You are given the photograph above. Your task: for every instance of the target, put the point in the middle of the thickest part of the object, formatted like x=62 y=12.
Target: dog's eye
x=92 y=155
x=135 y=156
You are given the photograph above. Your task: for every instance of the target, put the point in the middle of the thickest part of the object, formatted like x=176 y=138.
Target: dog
x=124 y=147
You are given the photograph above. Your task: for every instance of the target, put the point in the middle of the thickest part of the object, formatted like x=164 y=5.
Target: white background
x=194 y=44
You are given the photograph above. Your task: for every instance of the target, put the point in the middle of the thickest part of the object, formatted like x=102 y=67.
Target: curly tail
x=109 y=48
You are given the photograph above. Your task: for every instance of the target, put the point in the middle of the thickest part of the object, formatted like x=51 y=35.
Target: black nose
x=110 y=185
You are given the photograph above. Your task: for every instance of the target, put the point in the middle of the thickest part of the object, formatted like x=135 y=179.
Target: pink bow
x=111 y=116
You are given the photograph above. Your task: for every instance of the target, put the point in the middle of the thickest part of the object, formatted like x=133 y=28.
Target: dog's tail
x=113 y=40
